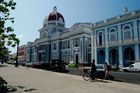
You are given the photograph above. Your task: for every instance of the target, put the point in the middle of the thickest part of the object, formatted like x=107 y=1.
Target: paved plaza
x=30 y=80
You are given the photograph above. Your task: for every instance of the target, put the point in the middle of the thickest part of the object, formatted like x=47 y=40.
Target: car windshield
x=99 y=67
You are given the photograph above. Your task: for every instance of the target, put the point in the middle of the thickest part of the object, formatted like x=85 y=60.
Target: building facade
x=117 y=40
x=57 y=42
x=22 y=53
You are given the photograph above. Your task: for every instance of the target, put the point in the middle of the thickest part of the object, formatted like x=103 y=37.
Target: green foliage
x=11 y=58
x=7 y=37
x=73 y=65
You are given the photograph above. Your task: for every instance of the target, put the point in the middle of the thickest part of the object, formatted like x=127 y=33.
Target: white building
x=57 y=42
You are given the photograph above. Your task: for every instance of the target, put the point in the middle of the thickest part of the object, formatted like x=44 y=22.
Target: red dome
x=54 y=16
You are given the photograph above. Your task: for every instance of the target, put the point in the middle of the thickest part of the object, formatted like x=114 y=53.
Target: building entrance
x=77 y=58
x=128 y=56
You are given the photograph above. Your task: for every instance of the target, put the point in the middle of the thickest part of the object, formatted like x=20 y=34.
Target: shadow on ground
x=3 y=65
x=12 y=89
x=103 y=81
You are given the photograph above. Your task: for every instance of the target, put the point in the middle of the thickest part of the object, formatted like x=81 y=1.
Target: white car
x=28 y=64
x=11 y=62
x=132 y=68
x=100 y=67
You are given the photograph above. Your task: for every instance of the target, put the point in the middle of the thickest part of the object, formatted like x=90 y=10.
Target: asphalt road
x=129 y=77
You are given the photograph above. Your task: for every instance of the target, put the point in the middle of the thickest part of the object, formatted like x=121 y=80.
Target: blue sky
x=30 y=14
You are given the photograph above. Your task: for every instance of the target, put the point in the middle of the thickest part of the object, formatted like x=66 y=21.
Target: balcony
x=112 y=42
x=127 y=40
x=100 y=44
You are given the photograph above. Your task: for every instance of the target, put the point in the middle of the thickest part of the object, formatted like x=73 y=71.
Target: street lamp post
x=16 y=65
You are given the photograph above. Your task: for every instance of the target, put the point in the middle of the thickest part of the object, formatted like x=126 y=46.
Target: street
x=30 y=80
x=129 y=77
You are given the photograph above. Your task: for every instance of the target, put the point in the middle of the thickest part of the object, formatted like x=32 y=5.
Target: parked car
x=11 y=62
x=100 y=67
x=39 y=65
x=132 y=68
x=28 y=64
x=101 y=71
x=57 y=65
x=22 y=63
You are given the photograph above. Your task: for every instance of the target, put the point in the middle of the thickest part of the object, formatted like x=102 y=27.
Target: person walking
x=106 y=69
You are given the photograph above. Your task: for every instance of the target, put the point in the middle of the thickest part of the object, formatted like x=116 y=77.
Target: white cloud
x=20 y=36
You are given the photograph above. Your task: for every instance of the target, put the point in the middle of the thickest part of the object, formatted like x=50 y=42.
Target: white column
x=120 y=57
x=106 y=46
x=95 y=49
x=86 y=50
x=94 y=54
x=137 y=52
x=119 y=34
x=92 y=46
x=81 y=49
x=135 y=30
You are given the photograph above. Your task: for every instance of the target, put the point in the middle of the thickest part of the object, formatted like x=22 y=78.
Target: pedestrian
x=106 y=69
x=93 y=70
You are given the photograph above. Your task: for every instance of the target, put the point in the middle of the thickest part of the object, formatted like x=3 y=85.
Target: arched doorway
x=114 y=58
x=128 y=56
x=101 y=57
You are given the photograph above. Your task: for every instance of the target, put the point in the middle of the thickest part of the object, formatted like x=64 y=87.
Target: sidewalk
x=30 y=80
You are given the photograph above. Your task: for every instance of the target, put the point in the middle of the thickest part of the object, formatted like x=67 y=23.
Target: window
x=68 y=44
x=68 y=59
x=60 y=19
x=63 y=58
x=112 y=35
x=127 y=33
x=28 y=51
x=54 y=57
x=63 y=45
x=100 y=38
x=54 y=46
x=76 y=42
x=89 y=42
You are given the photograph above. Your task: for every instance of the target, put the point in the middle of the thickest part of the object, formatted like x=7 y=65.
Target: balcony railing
x=100 y=44
x=112 y=42
x=127 y=40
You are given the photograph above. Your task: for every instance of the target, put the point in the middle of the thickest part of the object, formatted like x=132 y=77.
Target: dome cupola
x=54 y=18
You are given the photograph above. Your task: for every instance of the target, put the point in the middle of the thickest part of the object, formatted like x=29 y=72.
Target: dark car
x=57 y=65
x=41 y=65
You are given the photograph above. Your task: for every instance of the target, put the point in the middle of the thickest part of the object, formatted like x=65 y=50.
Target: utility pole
x=16 y=65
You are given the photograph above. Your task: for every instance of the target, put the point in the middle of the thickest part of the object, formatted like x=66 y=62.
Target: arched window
x=43 y=34
x=127 y=32
x=113 y=35
x=100 y=38
x=61 y=20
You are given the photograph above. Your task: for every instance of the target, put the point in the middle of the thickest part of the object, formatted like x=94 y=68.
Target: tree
x=7 y=37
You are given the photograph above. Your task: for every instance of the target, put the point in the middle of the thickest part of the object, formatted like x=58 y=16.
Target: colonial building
x=116 y=40
x=58 y=42
x=22 y=53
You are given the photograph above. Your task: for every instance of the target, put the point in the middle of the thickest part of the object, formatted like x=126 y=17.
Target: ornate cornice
x=116 y=20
